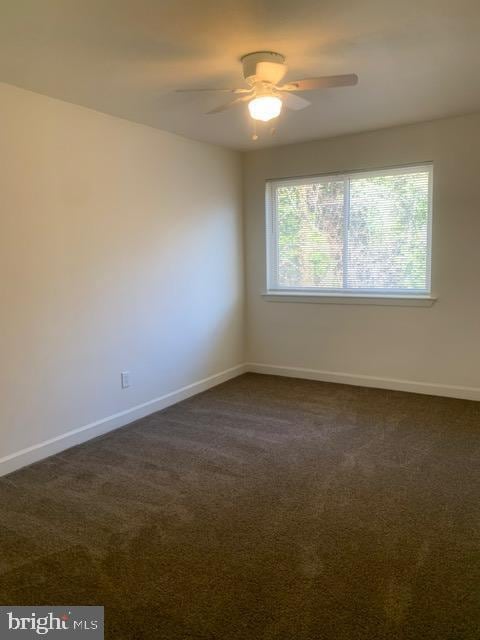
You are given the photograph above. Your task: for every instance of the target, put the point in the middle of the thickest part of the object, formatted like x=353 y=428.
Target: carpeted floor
x=266 y=508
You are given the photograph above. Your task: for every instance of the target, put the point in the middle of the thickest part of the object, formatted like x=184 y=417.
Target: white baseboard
x=71 y=438
x=434 y=389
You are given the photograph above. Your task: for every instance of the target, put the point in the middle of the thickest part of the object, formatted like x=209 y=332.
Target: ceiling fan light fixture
x=265 y=108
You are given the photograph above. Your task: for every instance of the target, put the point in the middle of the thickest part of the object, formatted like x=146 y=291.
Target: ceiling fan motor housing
x=251 y=61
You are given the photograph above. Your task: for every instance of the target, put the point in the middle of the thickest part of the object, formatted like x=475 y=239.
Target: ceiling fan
x=263 y=71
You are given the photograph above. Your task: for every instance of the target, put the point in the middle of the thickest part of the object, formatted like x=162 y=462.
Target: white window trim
x=400 y=297
x=351 y=298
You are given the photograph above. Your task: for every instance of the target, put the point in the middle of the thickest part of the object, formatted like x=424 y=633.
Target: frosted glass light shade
x=265 y=108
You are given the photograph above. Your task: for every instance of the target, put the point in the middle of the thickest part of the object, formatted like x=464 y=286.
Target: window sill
x=351 y=298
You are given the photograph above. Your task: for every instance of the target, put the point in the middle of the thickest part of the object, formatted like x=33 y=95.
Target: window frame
x=305 y=294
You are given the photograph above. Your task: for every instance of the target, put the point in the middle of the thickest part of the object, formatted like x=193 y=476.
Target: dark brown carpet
x=266 y=508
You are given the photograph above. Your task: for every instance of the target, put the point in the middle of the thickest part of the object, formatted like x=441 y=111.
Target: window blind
x=359 y=232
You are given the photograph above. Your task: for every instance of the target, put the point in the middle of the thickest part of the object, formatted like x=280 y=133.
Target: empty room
x=240 y=319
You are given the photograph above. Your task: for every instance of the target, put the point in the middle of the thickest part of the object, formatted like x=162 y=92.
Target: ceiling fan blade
x=291 y=101
x=325 y=82
x=204 y=89
x=228 y=105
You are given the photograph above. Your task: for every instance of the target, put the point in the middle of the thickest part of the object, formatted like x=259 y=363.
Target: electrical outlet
x=125 y=379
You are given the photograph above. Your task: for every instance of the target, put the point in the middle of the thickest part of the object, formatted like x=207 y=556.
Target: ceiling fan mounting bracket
x=251 y=60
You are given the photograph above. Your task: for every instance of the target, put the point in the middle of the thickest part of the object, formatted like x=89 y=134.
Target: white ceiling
x=416 y=59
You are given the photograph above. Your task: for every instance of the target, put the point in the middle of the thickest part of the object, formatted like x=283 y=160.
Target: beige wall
x=120 y=249
x=438 y=345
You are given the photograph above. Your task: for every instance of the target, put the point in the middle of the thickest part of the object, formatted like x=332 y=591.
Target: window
x=356 y=233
